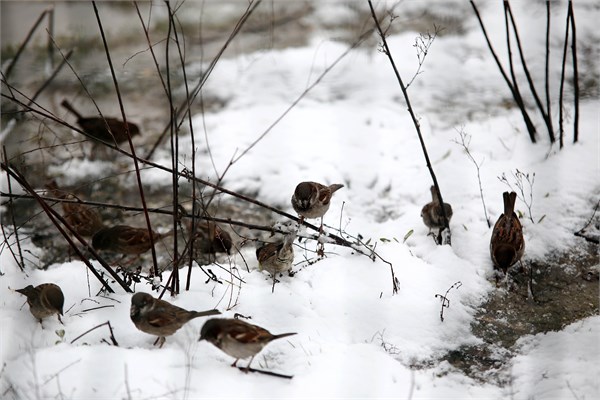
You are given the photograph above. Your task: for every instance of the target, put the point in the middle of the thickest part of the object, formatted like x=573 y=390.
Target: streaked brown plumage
x=97 y=128
x=312 y=199
x=160 y=318
x=124 y=239
x=211 y=239
x=237 y=338
x=276 y=257
x=432 y=212
x=83 y=219
x=44 y=300
x=507 y=243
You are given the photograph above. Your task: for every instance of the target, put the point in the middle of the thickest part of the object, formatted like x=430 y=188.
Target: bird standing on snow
x=160 y=318
x=237 y=338
x=44 y=300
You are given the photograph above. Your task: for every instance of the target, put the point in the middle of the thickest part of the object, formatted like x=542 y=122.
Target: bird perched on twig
x=276 y=257
x=160 y=318
x=237 y=338
x=312 y=200
x=507 y=243
x=107 y=130
x=84 y=220
x=432 y=212
x=44 y=300
x=125 y=239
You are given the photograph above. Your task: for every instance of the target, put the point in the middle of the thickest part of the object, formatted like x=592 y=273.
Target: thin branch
x=185 y=105
x=112 y=336
x=387 y=51
x=14 y=60
x=516 y=96
x=561 y=90
x=575 y=74
x=131 y=147
x=20 y=261
x=538 y=101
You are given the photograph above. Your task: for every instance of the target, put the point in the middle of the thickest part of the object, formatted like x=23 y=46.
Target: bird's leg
x=60 y=320
x=235 y=362
x=248 y=366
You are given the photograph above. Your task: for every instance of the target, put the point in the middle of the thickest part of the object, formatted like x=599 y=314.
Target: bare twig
x=184 y=108
x=445 y=299
x=260 y=371
x=107 y=323
x=581 y=233
x=416 y=123
x=20 y=261
x=561 y=130
x=516 y=95
x=131 y=147
x=575 y=74
x=465 y=141
x=538 y=101
x=14 y=60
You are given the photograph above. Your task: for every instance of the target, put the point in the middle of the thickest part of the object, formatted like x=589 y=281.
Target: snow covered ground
x=355 y=338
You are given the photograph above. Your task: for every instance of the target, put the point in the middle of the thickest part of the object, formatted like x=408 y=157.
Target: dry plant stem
x=191 y=128
x=516 y=96
x=538 y=101
x=184 y=106
x=561 y=90
x=260 y=371
x=575 y=74
x=20 y=261
x=55 y=218
x=581 y=232
x=445 y=299
x=107 y=323
x=412 y=115
x=174 y=158
x=13 y=62
x=131 y=147
x=547 y=63
x=464 y=142
x=51 y=77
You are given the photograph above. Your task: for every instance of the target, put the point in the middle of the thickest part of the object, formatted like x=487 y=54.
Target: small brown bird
x=44 y=300
x=237 y=338
x=277 y=257
x=158 y=317
x=210 y=238
x=108 y=130
x=507 y=244
x=312 y=200
x=83 y=219
x=125 y=239
x=432 y=212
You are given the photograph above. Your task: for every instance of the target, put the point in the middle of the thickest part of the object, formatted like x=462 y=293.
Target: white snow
x=353 y=128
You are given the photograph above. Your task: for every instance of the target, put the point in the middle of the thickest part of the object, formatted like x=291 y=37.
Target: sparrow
x=210 y=238
x=432 y=212
x=124 y=239
x=507 y=243
x=158 y=317
x=44 y=300
x=312 y=200
x=107 y=130
x=84 y=220
x=276 y=257
x=237 y=338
